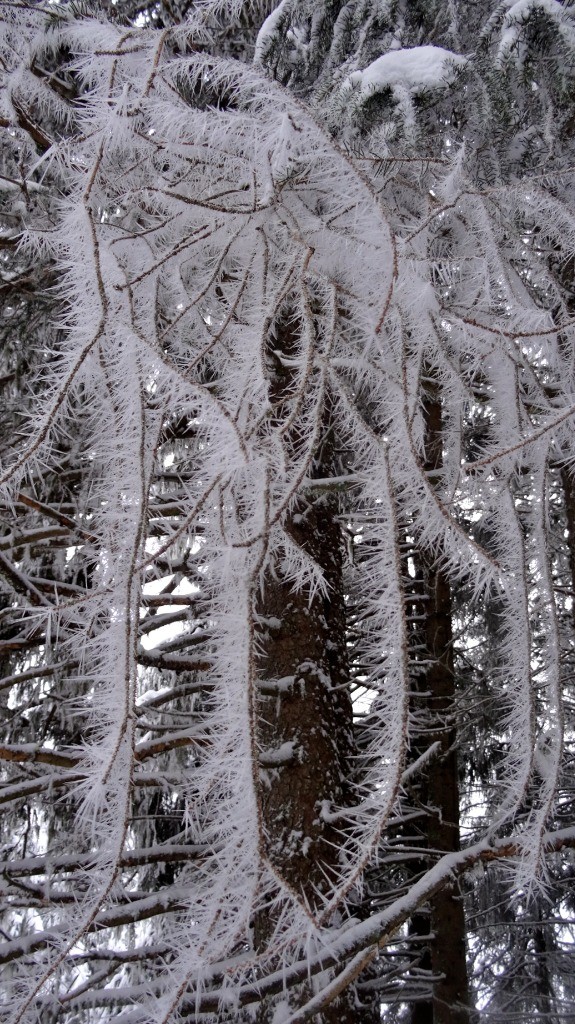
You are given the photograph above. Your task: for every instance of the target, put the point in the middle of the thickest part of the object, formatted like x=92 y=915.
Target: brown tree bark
x=568 y=485
x=302 y=639
x=444 y=956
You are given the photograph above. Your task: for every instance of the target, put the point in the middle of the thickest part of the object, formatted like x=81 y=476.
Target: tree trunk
x=303 y=644
x=305 y=707
x=433 y=706
x=568 y=485
x=448 y=946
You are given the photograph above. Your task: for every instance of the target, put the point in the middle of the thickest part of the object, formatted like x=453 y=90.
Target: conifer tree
x=297 y=417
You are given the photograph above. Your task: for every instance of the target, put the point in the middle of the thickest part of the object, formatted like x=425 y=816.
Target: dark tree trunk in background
x=312 y=711
x=433 y=709
x=308 y=714
x=448 y=946
x=564 y=274
x=568 y=484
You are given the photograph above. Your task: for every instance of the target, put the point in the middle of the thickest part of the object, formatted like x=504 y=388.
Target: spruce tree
x=298 y=436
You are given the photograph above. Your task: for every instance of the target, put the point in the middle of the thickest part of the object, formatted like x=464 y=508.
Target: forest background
x=287 y=511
